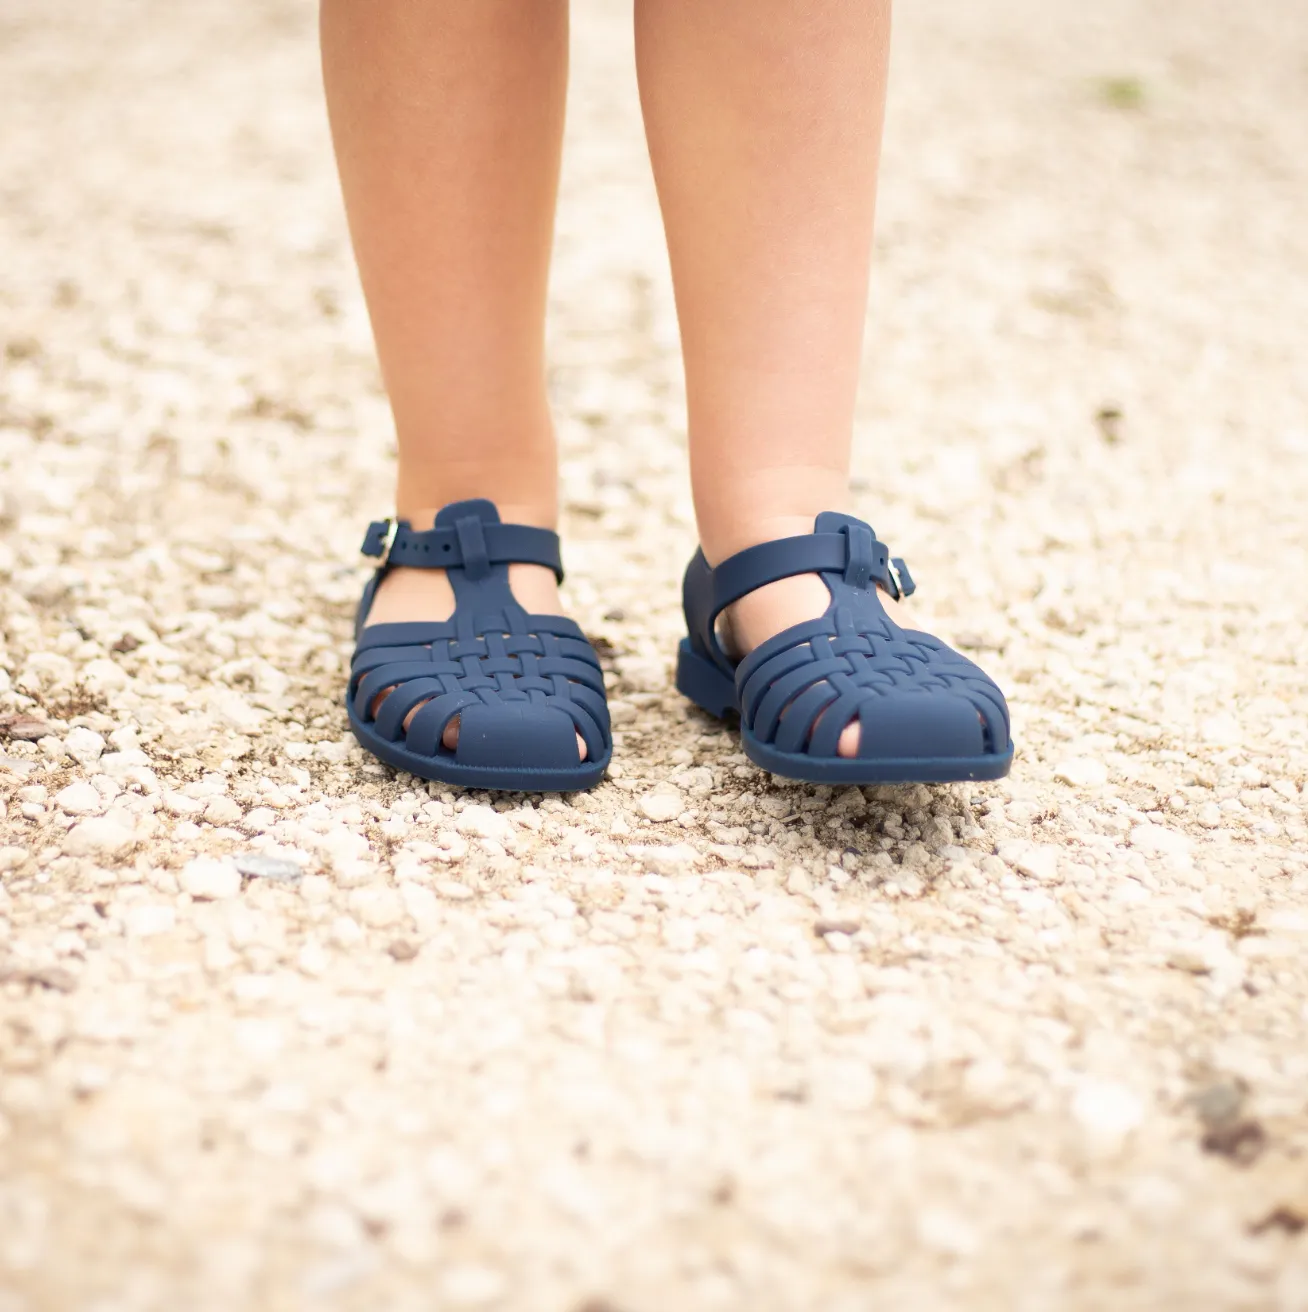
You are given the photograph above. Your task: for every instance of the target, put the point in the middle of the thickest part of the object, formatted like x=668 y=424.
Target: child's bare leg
x=447 y=117
x=764 y=123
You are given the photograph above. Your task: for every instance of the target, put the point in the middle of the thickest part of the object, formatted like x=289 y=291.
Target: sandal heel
x=703 y=682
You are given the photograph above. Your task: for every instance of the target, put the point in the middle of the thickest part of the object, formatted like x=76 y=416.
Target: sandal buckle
x=900 y=578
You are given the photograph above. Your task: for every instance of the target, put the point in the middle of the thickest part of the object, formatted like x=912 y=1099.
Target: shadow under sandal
x=523 y=686
x=926 y=714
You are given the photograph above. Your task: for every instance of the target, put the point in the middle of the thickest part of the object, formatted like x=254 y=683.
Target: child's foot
x=425 y=594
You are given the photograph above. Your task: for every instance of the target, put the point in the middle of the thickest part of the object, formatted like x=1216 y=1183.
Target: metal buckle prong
x=388 y=541
x=893 y=571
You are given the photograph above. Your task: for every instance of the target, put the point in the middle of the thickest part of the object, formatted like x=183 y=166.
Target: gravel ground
x=281 y=1030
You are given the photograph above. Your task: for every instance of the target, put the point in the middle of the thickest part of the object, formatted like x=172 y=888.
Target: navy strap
x=469 y=545
x=852 y=552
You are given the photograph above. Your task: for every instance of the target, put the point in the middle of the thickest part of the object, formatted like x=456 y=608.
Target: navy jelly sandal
x=926 y=713
x=523 y=686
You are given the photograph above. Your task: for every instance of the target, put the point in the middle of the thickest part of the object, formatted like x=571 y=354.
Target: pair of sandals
x=525 y=686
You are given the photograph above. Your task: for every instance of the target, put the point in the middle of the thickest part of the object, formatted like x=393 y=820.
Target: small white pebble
x=79 y=799
x=1035 y=860
x=1107 y=1112
x=452 y=889
x=258 y=820
x=316 y=888
x=482 y=822
x=99 y=836
x=106 y=787
x=345 y=931
x=421 y=904
x=666 y=860
x=84 y=745
x=146 y=919
x=208 y=878
x=222 y=811
x=1082 y=772
x=1202 y=957
x=662 y=805
x=179 y=804
x=1222 y=730
x=312 y=959
x=377 y=907
x=1160 y=840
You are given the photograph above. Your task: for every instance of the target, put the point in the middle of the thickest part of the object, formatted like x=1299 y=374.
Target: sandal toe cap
x=523 y=736
x=918 y=723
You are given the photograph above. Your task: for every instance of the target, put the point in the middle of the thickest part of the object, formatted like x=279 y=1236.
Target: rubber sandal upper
x=522 y=685
x=914 y=697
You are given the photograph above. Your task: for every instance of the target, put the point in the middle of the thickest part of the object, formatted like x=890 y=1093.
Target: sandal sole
x=712 y=691
x=572 y=779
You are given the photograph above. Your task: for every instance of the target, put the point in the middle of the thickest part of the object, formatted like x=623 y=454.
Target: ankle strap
x=852 y=551
x=469 y=544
